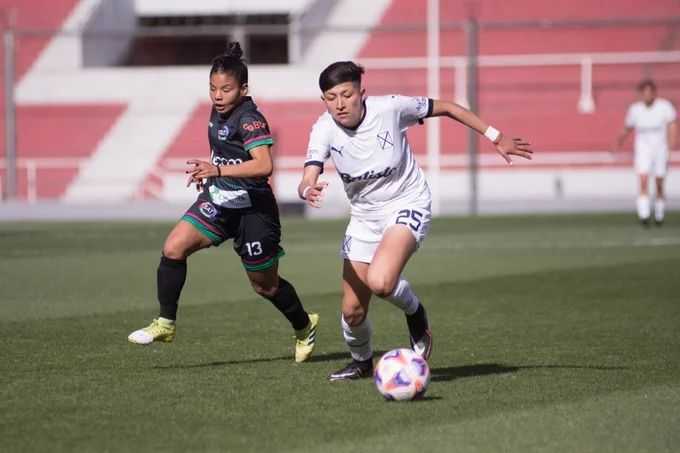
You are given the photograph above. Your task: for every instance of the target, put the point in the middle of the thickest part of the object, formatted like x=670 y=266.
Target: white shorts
x=363 y=234
x=652 y=162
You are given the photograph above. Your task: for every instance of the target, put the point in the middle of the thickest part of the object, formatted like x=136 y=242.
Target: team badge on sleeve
x=422 y=105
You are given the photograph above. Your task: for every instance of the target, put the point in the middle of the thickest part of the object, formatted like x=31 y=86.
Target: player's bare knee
x=354 y=316
x=264 y=290
x=380 y=285
x=173 y=250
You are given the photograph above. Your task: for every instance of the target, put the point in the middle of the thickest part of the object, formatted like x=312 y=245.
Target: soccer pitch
x=552 y=333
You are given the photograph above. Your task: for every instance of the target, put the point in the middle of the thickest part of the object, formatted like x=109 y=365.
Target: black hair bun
x=234 y=50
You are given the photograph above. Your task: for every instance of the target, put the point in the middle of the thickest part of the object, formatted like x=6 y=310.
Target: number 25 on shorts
x=411 y=218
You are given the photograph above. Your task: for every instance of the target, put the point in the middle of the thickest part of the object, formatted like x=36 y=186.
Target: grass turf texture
x=551 y=333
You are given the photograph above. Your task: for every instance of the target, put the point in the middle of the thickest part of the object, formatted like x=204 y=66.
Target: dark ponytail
x=231 y=63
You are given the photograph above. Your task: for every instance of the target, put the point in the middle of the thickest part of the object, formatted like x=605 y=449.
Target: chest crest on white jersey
x=385 y=140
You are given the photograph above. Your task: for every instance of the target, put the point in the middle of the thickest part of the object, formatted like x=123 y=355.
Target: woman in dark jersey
x=235 y=202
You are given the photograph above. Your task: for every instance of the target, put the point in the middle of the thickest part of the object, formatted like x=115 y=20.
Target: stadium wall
x=92 y=135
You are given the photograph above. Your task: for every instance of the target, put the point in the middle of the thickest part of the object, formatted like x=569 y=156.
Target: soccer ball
x=402 y=375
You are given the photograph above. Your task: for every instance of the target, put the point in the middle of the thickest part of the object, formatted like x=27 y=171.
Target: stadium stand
x=152 y=118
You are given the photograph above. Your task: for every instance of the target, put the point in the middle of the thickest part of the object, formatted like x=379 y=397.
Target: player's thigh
x=403 y=233
x=257 y=240
x=394 y=251
x=660 y=166
x=183 y=240
x=356 y=295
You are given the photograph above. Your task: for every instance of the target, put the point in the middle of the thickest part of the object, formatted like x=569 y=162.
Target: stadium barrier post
x=10 y=115
x=472 y=44
x=433 y=125
x=586 y=103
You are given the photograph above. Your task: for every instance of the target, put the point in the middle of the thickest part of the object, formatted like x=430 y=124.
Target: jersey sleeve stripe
x=259 y=137
x=316 y=163
x=430 y=107
x=259 y=141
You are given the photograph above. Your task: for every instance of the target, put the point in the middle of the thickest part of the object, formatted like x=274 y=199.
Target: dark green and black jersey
x=231 y=138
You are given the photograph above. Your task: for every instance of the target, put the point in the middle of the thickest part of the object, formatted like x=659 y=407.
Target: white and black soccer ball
x=402 y=375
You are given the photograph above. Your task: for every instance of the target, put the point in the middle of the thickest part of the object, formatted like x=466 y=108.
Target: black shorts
x=256 y=231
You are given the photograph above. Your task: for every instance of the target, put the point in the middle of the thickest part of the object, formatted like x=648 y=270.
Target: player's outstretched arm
x=505 y=146
x=310 y=188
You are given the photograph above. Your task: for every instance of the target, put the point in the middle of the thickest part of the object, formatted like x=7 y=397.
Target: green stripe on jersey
x=256 y=143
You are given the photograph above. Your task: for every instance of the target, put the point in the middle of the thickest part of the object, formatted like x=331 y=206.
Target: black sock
x=417 y=323
x=287 y=302
x=170 y=277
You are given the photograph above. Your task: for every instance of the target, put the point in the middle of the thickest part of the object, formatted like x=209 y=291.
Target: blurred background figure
x=653 y=120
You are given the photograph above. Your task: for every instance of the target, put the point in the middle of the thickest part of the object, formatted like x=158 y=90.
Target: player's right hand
x=315 y=194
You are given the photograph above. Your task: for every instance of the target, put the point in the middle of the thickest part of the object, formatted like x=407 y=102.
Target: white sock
x=659 y=208
x=358 y=339
x=403 y=297
x=643 y=207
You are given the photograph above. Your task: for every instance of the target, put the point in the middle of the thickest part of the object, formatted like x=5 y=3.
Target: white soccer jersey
x=651 y=125
x=374 y=161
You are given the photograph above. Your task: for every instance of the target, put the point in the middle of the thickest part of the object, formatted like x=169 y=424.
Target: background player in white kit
x=653 y=120
x=389 y=197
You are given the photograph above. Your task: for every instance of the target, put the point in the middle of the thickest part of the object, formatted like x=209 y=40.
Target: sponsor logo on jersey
x=254 y=125
x=219 y=160
x=385 y=140
x=387 y=172
x=207 y=209
x=337 y=150
x=223 y=133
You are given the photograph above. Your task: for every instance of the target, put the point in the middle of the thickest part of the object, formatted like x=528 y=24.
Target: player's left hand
x=199 y=183
x=507 y=147
x=201 y=169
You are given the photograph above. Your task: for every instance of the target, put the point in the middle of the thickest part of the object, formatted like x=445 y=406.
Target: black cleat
x=354 y=370
x=419 y=331
x=658 y=223
x=645 y=222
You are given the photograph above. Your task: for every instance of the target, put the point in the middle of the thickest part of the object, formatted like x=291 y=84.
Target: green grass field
x=552 y=333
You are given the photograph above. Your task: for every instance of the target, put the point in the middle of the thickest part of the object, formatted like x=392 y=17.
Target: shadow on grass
x=327 y=357
x=486 y=369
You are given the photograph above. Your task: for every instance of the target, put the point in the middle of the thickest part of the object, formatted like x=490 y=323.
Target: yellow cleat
x=159 y=330
x=305 y=339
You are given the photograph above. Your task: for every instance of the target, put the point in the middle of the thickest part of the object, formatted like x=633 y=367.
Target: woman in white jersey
x=653 y=120
x=389 y=197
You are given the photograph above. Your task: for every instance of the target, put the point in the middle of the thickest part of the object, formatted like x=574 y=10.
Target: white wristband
x=304 y=192
x=492 y=134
